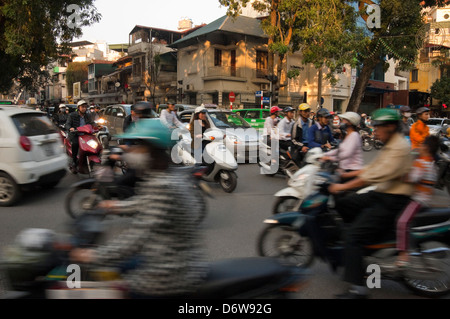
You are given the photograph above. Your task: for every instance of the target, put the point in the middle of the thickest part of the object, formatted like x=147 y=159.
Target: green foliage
x=76 y=72
x=35 y=32
x=440 y=90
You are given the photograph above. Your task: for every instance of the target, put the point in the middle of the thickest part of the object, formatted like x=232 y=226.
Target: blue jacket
x=318 y=137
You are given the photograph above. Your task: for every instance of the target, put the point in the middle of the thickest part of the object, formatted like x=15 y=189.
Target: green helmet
x=151 y=131
x=385 y=116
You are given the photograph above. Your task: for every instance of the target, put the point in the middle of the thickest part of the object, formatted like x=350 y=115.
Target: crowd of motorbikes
x=303 y=227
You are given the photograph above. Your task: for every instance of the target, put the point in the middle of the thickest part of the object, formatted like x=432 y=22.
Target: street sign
x=232 y=97
x=266 y=99
x=259 y=94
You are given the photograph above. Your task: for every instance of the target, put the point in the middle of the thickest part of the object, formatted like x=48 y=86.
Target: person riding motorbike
x=349 y=153
x=320 y=135
x=420 y=130
x=285 y=128
x=77 y=119
x=169 y=116
x=271 y=123
x=405 y=111
x=198 y=127
x=300 y=132
x=139 y=111
x=61 y=116
x=163 y=236
x=373 y=215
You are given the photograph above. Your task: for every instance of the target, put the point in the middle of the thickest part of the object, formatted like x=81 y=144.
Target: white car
x=31 y=153
x=438 y=126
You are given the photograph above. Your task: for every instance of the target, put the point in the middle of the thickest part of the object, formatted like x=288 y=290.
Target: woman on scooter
x=349 y=153
x=164 y=234
x=198 y=127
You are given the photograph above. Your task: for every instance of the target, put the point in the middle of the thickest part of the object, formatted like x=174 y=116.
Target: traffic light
x=444 y=105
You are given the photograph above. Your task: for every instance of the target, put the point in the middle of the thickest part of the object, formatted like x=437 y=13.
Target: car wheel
x=9 y=190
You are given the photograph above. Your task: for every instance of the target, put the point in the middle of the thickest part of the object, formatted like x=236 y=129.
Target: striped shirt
x=424 y=174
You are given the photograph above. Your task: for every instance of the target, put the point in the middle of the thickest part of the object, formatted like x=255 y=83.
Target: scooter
x=283 y=164
x=221 y=162
x=89 y=151
x=36 y=267
x=103 y=134
x=301 y=184
x=315 y=231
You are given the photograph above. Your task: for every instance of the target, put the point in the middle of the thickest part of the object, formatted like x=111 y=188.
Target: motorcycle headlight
x=92 y=144
x=101 y=121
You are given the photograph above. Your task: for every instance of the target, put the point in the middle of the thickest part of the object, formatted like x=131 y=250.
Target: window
x=262 y=60
x=415 y=75
x=217 y=57
x=252 y=115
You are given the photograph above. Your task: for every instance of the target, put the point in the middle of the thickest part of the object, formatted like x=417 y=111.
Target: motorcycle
x=35 y=267
x=89 y=151
x=301 y=184
x=85 y=195
x=222 y=163
x=369 y=142
x=103 y=134
x=315 y=231
x=283 y=165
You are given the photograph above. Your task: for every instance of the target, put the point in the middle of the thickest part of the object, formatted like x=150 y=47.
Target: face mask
x=407 y=114
x=138 y=161
x=343 y=126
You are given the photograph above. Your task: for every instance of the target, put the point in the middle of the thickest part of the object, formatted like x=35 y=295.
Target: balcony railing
x=224 y=71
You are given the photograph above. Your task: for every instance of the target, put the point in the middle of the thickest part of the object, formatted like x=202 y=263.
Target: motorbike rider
x=420 y=130
x=61 y=117
x=320 y=135
x=300 y=132
x=285 y=128
x=138 y=110
x=405 y=111
x=77 y=119
x=169 y=116
x=349 y=154
x=197 y=128
x=271 y=123
x=372 y=215
x=164 y=234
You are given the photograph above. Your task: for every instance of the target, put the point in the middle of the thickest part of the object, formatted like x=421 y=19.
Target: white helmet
x=352 y=117
x=62 y=106
x=81 y=102
x=201 y=109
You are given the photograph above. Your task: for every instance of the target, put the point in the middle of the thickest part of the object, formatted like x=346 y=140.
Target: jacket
x=297 y=132
x=74 y=120
x=418 y=132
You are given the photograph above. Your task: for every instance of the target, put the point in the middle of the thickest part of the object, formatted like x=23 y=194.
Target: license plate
x=48 y=149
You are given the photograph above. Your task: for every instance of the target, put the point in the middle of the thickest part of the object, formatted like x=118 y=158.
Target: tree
x=76 y=72
x=322 y=30
x=35 y=32
x=440 y=90
x=395 y=39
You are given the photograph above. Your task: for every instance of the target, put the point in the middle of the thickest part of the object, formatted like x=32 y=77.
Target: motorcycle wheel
x=228 y=181
x=285 y=204
x=367 y=144
x=83 y=199
x=285 y=243
x=434 y=283
x=378 y=145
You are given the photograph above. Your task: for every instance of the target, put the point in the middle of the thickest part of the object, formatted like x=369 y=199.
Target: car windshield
x=435 y=122
x=228 y=119
x=33 y=124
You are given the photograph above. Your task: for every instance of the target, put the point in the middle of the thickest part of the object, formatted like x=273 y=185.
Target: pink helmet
x=275 y=109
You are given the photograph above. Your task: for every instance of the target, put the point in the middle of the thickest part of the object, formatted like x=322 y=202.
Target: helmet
x=151 y=131
x=275 y=109
x=304 y=107
x=405 y=108
x=201 y=109
x=143 y=108
x=81 y=102
x=289 y=109
x=352 y=117
x=323 y=113
x=422 y=109
x=171 y=102
x=62 y=105
x=385 y=116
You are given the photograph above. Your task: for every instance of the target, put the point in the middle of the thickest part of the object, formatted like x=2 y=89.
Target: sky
x=119 y=17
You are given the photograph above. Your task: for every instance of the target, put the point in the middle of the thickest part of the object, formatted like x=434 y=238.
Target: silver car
x=438 y=126
x=240 y=138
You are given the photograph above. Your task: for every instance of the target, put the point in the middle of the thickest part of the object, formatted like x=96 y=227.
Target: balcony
x=224 y=73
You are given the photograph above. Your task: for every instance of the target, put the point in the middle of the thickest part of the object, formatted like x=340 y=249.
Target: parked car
x=255 y=117
x=31 y=153
x=239 y=133
x=178 y=107
x=438 y=126
x=114 y=116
